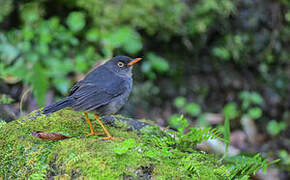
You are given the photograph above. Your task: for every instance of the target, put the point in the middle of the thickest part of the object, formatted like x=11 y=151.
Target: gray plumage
x=103 y=91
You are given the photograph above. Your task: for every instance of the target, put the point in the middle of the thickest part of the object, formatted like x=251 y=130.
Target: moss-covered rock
x=23 y=155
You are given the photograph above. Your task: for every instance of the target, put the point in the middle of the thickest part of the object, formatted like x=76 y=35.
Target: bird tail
x=68 y=101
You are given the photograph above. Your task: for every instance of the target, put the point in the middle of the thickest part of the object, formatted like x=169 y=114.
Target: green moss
x=120 y=124
x=23 y=155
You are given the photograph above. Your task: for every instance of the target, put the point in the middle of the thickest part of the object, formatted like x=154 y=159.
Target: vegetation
x=50 y=44
x=151 y=154
x=224 y=57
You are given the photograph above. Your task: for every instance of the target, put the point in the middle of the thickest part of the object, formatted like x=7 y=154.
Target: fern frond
x=198 y=135
x=245 y=166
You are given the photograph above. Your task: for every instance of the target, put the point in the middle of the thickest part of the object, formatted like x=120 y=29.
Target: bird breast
x=116 y=103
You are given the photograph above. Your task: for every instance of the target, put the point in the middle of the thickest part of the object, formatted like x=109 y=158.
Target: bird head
x=122 y=64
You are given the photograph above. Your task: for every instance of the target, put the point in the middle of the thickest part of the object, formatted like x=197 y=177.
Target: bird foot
x=95 y=133
x=112 y=138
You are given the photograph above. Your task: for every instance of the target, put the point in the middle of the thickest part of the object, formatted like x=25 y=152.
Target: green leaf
x=255 y=112
x=58 y=67
x=54 y=23
x=227 y=134
x=192 y=109
x=42 y=48
x=179 y=102
x=158 y=63
x=31 y=56
x=5 y=100
x=30 y=12
x=6 y=8
x=28 y=33
x=92 y=35
x=80 y=64
x=39 y=81
x=62 y=84
x=8 y=52
x=19 y=70
x=132 y=43
x=283 y=154
x=249 y=98
x=76 y=21
x=177 y=121
x=125 y=38
x=221 y=52
x=256 y=98
x=230 y=110
x=283 y=125
x=274 y=128
x=244 y=95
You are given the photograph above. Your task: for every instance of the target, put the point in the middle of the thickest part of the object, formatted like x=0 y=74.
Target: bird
x=103 y=91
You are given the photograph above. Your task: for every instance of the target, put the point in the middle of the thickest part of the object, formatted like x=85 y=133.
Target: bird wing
x=98 y=76
x=75 y=87
x=90 y=94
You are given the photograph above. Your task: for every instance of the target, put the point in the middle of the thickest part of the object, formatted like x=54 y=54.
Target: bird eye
x=121 y=64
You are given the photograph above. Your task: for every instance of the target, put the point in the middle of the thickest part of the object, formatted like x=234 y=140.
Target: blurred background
x=202 y=58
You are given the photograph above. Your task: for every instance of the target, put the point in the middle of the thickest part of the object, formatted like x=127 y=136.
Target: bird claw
x=95 y=133
x=111 y=138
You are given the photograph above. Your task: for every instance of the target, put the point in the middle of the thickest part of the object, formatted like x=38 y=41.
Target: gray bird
x=103 y=91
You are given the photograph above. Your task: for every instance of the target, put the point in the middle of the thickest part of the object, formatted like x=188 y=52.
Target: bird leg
x=106 y=131
x=91 y=127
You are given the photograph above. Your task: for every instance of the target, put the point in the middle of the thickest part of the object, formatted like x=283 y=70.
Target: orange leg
x=106 y=131
x=91 y=127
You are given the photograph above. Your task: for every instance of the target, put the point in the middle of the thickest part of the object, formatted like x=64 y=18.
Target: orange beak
x=134 y=61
